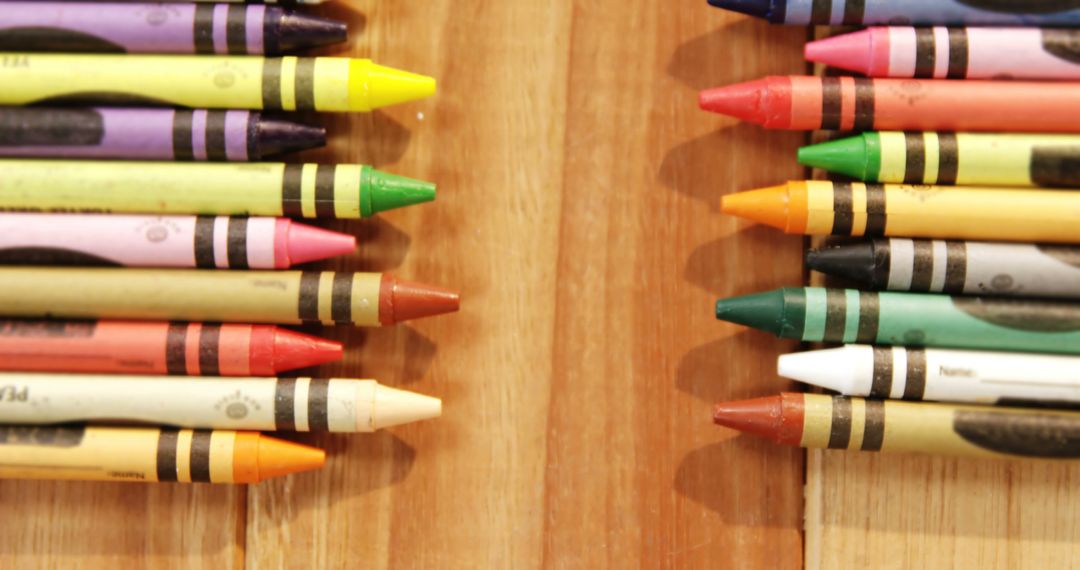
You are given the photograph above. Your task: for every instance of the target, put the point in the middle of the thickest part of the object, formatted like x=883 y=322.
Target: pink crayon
x=165 y=241
x=953 y=53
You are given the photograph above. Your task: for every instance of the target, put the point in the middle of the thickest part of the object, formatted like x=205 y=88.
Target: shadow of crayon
x=710 y=265
x=373 y=138
x=708 y=61
x=706 y=371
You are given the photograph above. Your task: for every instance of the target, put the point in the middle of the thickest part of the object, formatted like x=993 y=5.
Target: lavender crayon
x=150 y=134
x=108 y=27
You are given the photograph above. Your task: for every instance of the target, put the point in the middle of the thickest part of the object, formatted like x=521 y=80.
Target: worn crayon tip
x=743 y=101
x=849 y=156
x=304 y=243
x=758 y=8
x=761 y=416
x=848 y=51
x=275 y=136
x=294 y=350
x=855 y=262
x=396 y=407
x=278 y=457
x=382 y=191
x=401 y=300
x=301 y=31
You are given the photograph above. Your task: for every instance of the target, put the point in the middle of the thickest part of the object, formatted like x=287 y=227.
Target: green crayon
x=255 y=189
x=978 y=159
x=814 y=314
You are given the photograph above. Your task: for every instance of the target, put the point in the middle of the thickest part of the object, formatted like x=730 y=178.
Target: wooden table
x=578 y=215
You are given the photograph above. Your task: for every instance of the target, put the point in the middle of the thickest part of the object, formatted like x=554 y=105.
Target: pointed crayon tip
x=765 y=206
x=848 y=51
x=396 y=407
x=384 y=191
x=744 y=101
x=761 y=416
x=759 y=8
x=275 y=136
x=401 y=300
x=278 y=457
x=294 y=350
x=762 y=311
x=373 y=86
x=304 y=243
x=849 y=156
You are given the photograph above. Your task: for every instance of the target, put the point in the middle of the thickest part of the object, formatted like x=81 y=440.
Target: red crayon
x=125 y=347
x=847 y=103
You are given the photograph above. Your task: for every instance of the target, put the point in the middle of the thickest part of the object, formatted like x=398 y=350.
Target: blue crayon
x=910 y=12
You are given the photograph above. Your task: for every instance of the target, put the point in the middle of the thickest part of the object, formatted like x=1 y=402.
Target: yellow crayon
x=216 y=82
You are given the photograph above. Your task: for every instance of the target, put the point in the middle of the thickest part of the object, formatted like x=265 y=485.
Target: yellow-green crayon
x=838 y=422
x=977 y=159
x=210 y=82
x=242 y=189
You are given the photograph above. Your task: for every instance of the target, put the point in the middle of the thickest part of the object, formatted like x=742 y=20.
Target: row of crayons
x=156 y=333
x=966 y=338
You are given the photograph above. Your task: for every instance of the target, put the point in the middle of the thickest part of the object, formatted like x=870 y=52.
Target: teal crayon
x=815 y=314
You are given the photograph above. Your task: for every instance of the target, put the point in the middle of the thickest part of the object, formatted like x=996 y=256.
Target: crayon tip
x=759 y=8
x=372 y=86
x=278 y=457
x=275 y=136
x=762 y=311
x=761 y=416
x=300 y=31
x=821 y=368
x=304 y=243
x=765 y=206
x=396 y=407
x=855 y=262
x=401 y=300
x=744 y=101
x=384 y=191
x=849 y=156
x=847 y=51
x=294 y=350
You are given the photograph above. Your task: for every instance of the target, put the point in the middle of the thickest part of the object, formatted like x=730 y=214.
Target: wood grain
x=578 y=215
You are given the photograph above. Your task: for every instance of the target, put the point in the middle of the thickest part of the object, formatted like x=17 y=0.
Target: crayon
x=179 y=349
x=936 y=374
x=257 y=404
x=955 y=267
x=909 y=12
x=147 y=455
x=150 y=134
x=211 y=81
x=272 y=297
x=847 y=316
x=875 y=210
x=837 y=422
x=126 y=27
x=858 y=104
x=165 y=241
x=967 y=159
x=266 y=2
x=259 y=189
x=953 y=53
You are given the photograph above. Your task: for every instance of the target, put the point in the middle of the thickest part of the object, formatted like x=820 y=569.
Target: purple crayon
x=954 y=53
x=162 y=28
x=150 y=134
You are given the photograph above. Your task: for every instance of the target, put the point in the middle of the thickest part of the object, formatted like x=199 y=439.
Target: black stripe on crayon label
x=204 y=29
x=285 y=404
x=318 y=416
x=832 y=103
x=922 y=270
x=291 y=181
x=873 y=425
x=925 y=53
x=183 y=146
x=835 y=315
x=308 y=310
x=958 y=53
x=251 y=134
x=881 y=385
x=915 y=385
x=955 y=267
x=864 y=104
x=176 y=349
x=236 y=29
x=840 y=430
x=869 y=309
x=166 y=454
x=236 y=243
x=341 y=301
x=948 y=159
x=875 y=210
x=271 y=83
x=204 y=242
x=305 y=84
x=200 y=455
x=51 y=127
x=914 y=158
x=854 y=11
x=324 y=190
x=843 y=209
x=1055 y=166
x=215 y=135
x=209 y=340
x=821 y=11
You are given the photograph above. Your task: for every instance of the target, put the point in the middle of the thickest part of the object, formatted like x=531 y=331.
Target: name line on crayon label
x=962 y=372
